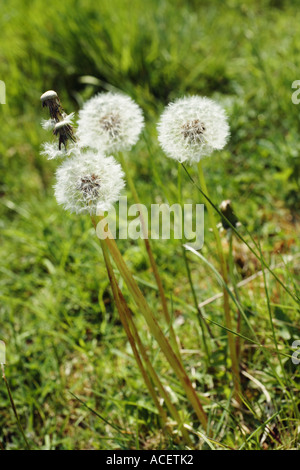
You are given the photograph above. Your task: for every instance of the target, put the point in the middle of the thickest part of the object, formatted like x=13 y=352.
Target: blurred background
x=56 y=312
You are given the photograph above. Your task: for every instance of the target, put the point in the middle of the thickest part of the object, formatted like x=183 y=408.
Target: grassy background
x=56 y=314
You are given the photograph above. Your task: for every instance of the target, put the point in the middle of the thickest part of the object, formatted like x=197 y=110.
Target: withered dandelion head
x=51 y=100
x=227 y=210
x=64 y=130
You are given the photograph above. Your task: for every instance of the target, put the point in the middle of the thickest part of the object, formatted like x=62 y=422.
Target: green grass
x=57 y=316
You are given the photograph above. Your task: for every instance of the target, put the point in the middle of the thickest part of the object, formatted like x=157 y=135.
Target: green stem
x=224 y=273
x=155 y=329
x=286 y=378
x=235 y=289
x=121 y=309
x=14 y=407
x=201 y=320
x=153 y=264
x=134 y=338
x=172 y=409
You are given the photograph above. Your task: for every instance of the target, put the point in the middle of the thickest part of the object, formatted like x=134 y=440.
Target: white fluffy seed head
x=192 y=128
x=110 y=122
x=88 y=183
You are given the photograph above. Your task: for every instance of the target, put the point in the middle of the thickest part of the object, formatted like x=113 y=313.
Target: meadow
x=70 y=368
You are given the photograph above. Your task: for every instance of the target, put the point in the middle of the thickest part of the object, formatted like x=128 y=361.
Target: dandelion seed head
x=110 y=122
x=192 y=128
x=89 y=182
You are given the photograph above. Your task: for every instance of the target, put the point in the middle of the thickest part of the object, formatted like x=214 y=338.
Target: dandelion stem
x=153 y=264
x=224 y=273
x=186 y=262
x=235 y=290
x=172 y=409
x=134 y=339
x=14 y=407
x=121 y=309
x=155 y=329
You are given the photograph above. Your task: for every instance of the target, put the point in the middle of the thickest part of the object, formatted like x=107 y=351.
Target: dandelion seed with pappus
x=51 y=150
x=48 y=124
x=111 y=122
